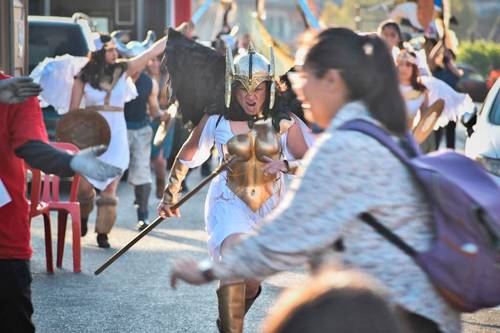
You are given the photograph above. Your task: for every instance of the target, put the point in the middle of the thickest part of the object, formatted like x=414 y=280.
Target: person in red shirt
x=23 y=138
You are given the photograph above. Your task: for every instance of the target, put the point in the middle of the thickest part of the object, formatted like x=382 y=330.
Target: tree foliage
x=344 y=15
x=482 y=55
x=466 y=15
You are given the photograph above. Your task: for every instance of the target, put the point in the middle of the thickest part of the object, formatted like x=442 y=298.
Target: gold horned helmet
x=250 y=69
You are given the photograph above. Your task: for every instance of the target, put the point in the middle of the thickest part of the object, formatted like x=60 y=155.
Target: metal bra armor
x=245 y=177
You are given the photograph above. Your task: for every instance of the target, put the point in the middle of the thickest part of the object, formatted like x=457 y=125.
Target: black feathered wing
x=196 y=77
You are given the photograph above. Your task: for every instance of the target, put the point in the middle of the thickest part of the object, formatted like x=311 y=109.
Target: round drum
x=84 y=128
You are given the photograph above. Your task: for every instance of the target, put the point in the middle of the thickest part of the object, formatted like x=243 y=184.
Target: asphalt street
x=133 y=295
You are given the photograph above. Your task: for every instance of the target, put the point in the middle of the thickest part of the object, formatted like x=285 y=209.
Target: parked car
x=472 y=83
x=51 y=36
x=484 y=143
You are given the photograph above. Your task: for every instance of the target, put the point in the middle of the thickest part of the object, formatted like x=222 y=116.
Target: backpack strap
x=218 y=121
x=384 y=138
x=116 y=76
x=388 y=234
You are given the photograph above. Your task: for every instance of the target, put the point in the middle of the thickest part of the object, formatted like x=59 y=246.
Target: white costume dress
x=56 y=75
x=117 y=153
x=412 y=105
x=455 y=103
x=226 y=213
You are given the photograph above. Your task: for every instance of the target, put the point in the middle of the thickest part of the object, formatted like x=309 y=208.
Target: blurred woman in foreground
x=344 y=77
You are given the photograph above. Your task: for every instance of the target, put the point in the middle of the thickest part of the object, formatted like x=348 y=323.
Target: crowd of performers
x=239 y=107
x=426 y=76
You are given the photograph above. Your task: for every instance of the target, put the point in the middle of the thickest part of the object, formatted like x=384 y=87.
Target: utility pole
x=46 y=7
x=357 y=18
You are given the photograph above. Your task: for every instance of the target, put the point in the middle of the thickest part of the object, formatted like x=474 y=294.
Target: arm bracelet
x=177 y=174
x=292 y=166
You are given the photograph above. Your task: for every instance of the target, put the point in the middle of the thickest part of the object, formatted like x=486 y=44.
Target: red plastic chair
x=37 y=208
x=50 y=195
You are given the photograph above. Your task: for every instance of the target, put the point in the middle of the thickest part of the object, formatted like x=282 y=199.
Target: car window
x=495 y=110
x=475 y=76
x=50 y=40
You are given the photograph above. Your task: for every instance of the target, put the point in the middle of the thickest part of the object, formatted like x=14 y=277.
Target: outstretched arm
x=137 y=64
x=318 y=207
x=28 y=139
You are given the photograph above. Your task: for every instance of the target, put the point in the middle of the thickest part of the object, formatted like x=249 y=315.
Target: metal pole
x=182 y=11
x=46 y=7
x=168 y=20
x=10 y=31
x=311 y=19
x=357 y=18
x=140 y=20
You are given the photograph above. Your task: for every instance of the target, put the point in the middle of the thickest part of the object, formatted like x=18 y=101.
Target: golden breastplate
x=245 y=177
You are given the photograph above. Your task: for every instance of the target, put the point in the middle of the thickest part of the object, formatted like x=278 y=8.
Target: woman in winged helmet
x=245 y=116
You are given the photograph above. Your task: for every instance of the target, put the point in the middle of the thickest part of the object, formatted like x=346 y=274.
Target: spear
x=160 y=219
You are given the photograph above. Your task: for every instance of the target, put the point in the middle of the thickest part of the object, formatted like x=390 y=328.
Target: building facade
x=135 y=16
x=138 y=16
x=14 y=37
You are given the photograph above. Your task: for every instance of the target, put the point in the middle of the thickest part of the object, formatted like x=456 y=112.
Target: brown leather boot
x=231 y=299
x=86 y=201
x=102 y=241
x=106 y=217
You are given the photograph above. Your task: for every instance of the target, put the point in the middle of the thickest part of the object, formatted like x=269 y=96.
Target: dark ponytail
x=368 y=70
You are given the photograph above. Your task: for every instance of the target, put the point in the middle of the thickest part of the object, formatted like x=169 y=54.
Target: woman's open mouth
x=251 y=104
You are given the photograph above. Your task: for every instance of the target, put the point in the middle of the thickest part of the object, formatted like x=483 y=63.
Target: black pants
x=15 y=297
x=449 y=132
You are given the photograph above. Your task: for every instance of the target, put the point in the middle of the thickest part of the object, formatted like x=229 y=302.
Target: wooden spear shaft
x=160 y=219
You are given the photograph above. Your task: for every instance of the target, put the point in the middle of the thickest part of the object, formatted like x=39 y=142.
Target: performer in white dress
x=455 y=103
x=414 y=92
x=104 y=84
x=268 y=140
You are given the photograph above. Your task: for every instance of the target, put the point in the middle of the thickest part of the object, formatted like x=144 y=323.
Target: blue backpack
x=463 y=261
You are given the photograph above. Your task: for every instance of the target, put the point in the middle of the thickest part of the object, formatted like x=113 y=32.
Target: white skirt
x=455 y=103
x=226 y=214
x=118 y=153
